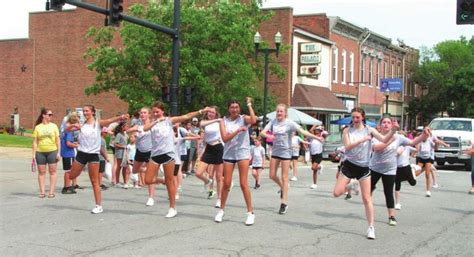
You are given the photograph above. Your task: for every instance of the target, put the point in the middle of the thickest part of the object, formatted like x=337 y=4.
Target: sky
x=416 y=22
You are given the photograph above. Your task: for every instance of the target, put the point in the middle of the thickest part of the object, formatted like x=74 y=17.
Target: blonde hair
x=284 y=107
x=73 y=117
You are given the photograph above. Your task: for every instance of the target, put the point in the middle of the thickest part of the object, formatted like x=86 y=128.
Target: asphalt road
x=316 y=224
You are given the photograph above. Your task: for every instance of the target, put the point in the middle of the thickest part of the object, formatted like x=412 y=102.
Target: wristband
x=200 y=112
x=249 y=104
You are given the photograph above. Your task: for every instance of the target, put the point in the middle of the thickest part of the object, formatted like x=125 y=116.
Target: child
x=68 y=153
x=131 y=150
x=103 y=157
x=257 y=153
x=120 y=148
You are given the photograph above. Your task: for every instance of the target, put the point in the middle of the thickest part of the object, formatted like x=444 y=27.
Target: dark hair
x=159 y=105
x=40 y=117
x=231 y=102
x=90 y=106
x=119 y=127
x=218 y=115
x=361 y=111
x=384 y=117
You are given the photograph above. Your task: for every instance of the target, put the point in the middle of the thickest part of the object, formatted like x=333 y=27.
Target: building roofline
x=305 y=33
x=15 y=39
x=311 y=14
x=276 y=8
x=333 y=20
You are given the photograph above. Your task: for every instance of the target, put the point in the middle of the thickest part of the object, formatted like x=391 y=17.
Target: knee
x=149 y=181
x=367 y=200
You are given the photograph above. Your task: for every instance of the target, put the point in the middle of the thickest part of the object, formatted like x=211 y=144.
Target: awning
x=314 y=98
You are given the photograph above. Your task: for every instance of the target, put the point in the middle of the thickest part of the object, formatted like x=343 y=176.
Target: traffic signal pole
x=173 y=32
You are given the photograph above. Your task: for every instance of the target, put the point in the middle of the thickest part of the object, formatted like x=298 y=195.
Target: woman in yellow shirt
x=46 y=150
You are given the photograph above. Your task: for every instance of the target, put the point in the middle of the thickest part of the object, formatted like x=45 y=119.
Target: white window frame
x=377 y=73
x=371 y=75
x=363 y=69
x=351 y=68
x=335 y=56
x=343 y=67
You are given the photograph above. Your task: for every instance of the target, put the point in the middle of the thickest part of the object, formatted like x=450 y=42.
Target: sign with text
x=310 y=58
x=393 y=85
x=310 y=47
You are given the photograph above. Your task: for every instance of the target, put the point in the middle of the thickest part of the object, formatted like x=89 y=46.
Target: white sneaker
x=250 y=219
x=137 y=187
x=98 y=209
x=294 y=178
x=398 y=206
x=320 y=170
x=218 y=203
x=206 y=185
x=150 y=202
x=354 y=187
x=371 y=232
x=125 y=186
x=413 y=170
x=313 y=186
x=435 y=186
x=219 y=216
x=180 y=189
x=171 y=213
x=428 y=194
x=176 y=196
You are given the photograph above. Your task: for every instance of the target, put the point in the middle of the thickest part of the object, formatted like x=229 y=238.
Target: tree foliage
x=216 y=54
x=446 y=72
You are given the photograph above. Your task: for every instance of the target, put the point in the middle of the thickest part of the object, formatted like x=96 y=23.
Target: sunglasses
x=49 y=114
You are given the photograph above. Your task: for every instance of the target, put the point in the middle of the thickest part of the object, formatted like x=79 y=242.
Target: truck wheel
x=440 y=163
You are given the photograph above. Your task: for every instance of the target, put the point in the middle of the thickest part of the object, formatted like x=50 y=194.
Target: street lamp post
x=266 y=51
x=386 y=94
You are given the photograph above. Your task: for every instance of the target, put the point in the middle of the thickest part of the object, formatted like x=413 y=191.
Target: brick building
x=47 y=69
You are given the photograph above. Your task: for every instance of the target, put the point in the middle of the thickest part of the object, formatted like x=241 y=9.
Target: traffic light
x=56 y=5
x=188 y=95
x=115 y=11
x=465 y=12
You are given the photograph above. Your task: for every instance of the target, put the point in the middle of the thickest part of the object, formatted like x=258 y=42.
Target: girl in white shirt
x=89 y=149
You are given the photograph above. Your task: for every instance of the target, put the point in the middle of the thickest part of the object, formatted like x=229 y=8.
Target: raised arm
x=107 y=122
x=205 y=123
x=187 y=116
x=149 y=124
x=227 y=137
x=306 y=133
x=347 y=142
x=250 y=119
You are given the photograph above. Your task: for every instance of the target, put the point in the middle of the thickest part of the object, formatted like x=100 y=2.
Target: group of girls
x=369 y=155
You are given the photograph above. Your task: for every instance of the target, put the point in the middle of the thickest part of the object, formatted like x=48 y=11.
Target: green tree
x=216 y=55
x=447 y=73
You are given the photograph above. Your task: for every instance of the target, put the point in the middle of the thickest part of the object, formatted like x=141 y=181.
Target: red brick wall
x=56 y=74
x=315 y=23
x=350 y=45
x=16 y=87
x=282 y=21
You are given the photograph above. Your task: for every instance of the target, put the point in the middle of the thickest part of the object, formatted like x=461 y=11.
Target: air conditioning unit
x=380 y=55
x=365 y=50
x=372 y=53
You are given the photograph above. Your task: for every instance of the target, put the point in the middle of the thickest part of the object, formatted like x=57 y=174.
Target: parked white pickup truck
x=459 y=134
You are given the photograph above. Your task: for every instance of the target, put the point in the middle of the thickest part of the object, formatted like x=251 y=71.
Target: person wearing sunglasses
x=46 y=150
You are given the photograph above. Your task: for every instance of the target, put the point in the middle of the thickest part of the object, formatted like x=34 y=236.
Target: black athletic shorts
x=351 y=170
x=316 y=158
x=84 y=158
x=281 y=158
x=162 y=159
x=67 y=163
x=213 y=154
x=294 y=157
x=142 y=156
x=101 y=166
x=424 y=161
x=176 y=169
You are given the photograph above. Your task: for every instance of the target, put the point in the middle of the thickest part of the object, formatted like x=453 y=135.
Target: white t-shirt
x=143 y=139
x=315 y=146
x=89 y=138
x=295 y=145
x=162 y=139
x=403 y=159
x=282 y=131
x=258 y=153
x=212 y=132
x=385 y=162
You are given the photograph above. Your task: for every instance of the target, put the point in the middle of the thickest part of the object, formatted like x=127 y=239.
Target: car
x=332 y=142
x=458 y=133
